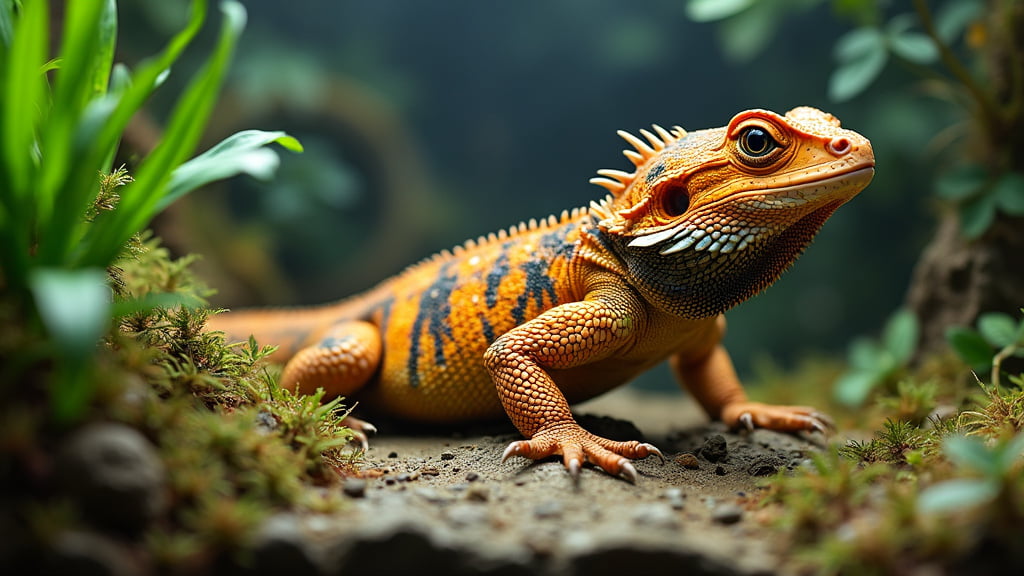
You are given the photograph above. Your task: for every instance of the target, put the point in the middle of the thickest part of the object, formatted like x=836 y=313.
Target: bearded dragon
x=530 y=320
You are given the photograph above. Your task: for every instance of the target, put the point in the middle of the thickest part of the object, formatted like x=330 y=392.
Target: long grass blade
x=184 y=129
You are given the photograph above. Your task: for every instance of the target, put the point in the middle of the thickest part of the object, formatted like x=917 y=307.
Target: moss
x=236 y=447
x=868 y=507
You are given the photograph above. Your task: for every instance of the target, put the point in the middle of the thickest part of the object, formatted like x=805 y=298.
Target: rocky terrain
x=444 y=504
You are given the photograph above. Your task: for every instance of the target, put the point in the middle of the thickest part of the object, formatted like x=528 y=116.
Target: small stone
x=655 y=515
x=676 y=498
x=354 y=487
x=727 y=514
x=478 y=493
x=720 y=470
x=687 y=460
x=714 y=449
x=279 y=546
x=403 y=477
x=447 y=456
x=76 y=552
x=549 y=509
x=392 y=454
x=114 y=475
x=429 y=471
x=472 y=477
x=763 y=466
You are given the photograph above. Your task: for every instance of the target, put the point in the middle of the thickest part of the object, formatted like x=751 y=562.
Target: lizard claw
x=747 y=420
x=752 y=415
x=628 y=472
x=652 y=449
x=574 y=466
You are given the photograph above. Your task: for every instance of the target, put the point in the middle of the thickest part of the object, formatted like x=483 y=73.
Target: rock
x=727 y=514
x=676 y=498
x=764 y=466
x=656 y=515
x=447 y=456
x=281 y=546
x=354 y=487
x=78 y=552
x=114 y=476
x=549 y=509
x=714 y=448
x=687 y=460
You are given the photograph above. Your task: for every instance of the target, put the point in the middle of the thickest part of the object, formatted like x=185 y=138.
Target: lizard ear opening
x=675 y=200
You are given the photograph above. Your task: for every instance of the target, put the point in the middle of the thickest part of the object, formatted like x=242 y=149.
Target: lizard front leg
x=711 y=379
x=569 y=335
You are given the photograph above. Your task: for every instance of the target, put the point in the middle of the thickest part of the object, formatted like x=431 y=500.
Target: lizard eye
x=676 y=200
x=755 y=142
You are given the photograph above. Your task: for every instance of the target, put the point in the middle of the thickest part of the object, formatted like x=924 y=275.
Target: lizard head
x=711 y=217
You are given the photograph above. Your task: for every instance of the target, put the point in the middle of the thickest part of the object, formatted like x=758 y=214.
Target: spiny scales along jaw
x=712 y=217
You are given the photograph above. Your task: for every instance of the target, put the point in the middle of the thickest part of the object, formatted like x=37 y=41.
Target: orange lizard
x=550 y=313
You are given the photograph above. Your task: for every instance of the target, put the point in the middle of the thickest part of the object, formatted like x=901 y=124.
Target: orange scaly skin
x=530 y=321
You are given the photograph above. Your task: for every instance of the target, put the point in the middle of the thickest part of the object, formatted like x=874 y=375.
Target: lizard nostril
x=839 y=146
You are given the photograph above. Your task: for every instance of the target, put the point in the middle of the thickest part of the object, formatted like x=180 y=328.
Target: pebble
x=392 y=454
x=676 y=498
x=472 y=477
x=727 y=514
x=720 y=470
x=688 y=460
x=114 y=475
x=447 y=456
x=354 y=487
x=715 y=448
x=763 y=466
x=549 y=509
x=655 y=515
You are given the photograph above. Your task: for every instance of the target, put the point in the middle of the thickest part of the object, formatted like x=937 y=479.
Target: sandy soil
x=443 y=503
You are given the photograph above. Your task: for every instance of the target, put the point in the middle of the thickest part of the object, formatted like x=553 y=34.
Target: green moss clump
x=235 y=446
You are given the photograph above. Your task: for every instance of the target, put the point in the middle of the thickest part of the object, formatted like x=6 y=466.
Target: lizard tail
x=290 y=329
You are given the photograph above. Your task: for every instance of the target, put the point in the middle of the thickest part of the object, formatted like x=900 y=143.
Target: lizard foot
x=360 y=429
x=752 y=415
x=577 y=446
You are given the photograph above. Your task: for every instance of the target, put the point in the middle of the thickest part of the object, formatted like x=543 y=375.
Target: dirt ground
x=443 y=503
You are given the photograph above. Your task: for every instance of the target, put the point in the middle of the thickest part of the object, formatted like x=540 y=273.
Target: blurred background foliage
x=427 y=123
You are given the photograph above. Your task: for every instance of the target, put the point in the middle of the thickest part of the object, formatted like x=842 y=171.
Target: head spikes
x=616 y=181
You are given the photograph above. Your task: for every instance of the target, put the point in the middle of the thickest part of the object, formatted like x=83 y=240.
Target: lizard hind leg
x=343 y=360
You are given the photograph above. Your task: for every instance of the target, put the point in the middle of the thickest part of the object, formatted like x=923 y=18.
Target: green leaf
x=971 y=347
x=1008 y=452
x=1009 y=193
x=241 y=153
x=63 y=231
x=976 y=215
x=862 y=54
x=961 y=182
x=711 y=10
x=20 y=105
x=853 y=388
x=970 y=452
x=907 y=44
x=998 y=329
x=74 y=306
x=184 y=128
x=900 y=336
x=864 y=354
x=956 y=495
x=6 y=23
x=954 y=17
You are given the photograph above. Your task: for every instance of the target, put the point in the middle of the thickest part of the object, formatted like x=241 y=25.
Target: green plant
x=61 y=122
x=997 y=338
x=995 y=478
x=873 y=363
